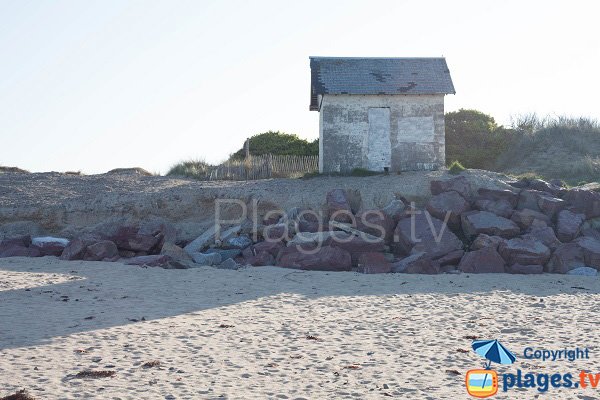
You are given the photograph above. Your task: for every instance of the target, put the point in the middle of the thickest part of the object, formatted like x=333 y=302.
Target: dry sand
x=250 y=334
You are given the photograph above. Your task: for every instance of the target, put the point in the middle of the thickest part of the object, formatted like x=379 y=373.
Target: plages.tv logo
x=483 y=383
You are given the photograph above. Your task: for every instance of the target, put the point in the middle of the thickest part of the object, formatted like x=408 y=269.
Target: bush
x=197 y=169
x=456 y=168
x=279 y=143
x=474 y=138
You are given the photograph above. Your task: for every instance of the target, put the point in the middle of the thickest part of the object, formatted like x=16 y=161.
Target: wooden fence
x=264 y=167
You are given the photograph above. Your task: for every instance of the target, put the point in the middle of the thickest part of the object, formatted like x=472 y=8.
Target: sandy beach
x=275 y=333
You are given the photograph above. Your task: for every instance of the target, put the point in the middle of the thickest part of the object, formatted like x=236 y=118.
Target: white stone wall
x=417 y=134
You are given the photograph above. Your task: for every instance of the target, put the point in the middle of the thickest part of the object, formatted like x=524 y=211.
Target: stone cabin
x=380 y=113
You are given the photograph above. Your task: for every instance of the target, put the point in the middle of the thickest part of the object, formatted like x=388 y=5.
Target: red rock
x=459 y=184
x=376 y=223
x=309 y=226
x=486 y=260
x=500 y=207
x=338 y=207
x=545 y=235
x=373 y=263
x=524 y=218
x=276 y=232
x=584 y=201
x=101 y=250
x=74 y=250
x=448 y=203
x=499 y=194
x=326 y=258
x=16 y=250
x=591 y=251
x=452 y=258
x=425 y=238
x=550 y=205
x=128 y=238
x=525 y=269
x=355 y=245
x=482 y=240
x=21 y=240
x=272 y=248
x=262 y=258
x=476 y=222
x=423 y=265
x=565 y=258
x=568 y=225
x=524 y=252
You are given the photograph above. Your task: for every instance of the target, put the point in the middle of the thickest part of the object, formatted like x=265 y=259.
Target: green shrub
x=456 y=168
x=197 y=169
x=279 y=143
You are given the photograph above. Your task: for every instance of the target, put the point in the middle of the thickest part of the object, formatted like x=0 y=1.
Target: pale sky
x=94 y=85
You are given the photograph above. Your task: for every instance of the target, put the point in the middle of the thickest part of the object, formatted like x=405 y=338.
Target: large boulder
x=448 y=203
x=373 y=263
x=394 y=210
x=424 y=233
x=356 y=245
x=100 y=251
x=18 y=250
x=500 y=207
x=550 y=205
x=338 y=207
x=485 y=260
x=273 y=248
x=459 y=184
x=476 y=222
x=544 y=234
x=584 y=201
x=525 y=218
x=376 y=223
x=174 y=252
x=565 y=258
x=568 y=225
x=75 y=249
x=418 y=263
x=260 y=259
x=591 y=251
x=499 y=194
x=326 y=258
x=524 y=252
x=530 y=199
x=128 y=238
x=482 y=240
x=525 y=269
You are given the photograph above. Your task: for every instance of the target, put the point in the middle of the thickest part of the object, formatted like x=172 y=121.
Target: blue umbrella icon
x=493 y=351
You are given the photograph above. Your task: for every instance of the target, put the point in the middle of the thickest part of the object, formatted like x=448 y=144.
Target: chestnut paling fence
x=265 y=167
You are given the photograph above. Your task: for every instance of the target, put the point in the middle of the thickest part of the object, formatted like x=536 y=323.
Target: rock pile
x=533 y=227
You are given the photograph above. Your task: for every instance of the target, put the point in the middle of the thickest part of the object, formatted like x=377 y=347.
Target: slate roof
x=358 y=75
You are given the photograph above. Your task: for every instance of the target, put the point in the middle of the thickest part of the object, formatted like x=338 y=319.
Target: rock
x=272 y=248
x=16 y=250
x=565 y=258
x=276 y=232
x=127 y=253
x=159 y=226
x=525 y=269
x=74 y=250
x=486 y=260
x=500 y=207
x=482 y=241
x=260 y=259
x=128 y=238
x=584 y=201
x=237 y=242
x=459 y=184
x=174 y=252
x=530 y=199
x=225 y=253
x=452 y=258
x=583 y=271
x=568 y=225
x=545 y=235
x=338 y=207
x=206 y=258
x=402 y=265
x=524 y=218
x=308 y=226
x=524 y=252
x=209 y=237
x=316 y=238
x=550 y=206
x=394 y=210
x=326 y=258
x=451 y=203
x=230 y=264
x=476 y=222
x=21 y=241
x=376 y=223
x=373 y=263
x=356 y=245
x=424 y=233
x=157 y=260
x=50 y=246
x=499 y=194
x=104 y=249
x=418 y=263
x=591 y=251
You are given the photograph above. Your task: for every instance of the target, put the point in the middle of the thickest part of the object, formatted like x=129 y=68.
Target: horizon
x=100 y=85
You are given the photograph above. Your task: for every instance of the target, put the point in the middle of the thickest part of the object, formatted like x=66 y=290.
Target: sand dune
x=267 y=332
